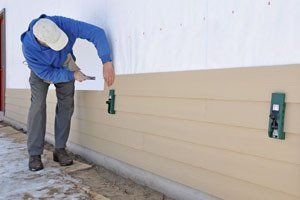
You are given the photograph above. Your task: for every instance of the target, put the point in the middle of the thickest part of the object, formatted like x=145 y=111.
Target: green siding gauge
x=277 y=114
x=111 y=102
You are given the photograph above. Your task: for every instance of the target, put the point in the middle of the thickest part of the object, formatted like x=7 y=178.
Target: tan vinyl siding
x=205 y=129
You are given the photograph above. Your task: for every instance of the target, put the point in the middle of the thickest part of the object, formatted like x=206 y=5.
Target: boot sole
x=35 y=170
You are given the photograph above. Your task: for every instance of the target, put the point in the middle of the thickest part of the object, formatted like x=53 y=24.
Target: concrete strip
x=14 y=123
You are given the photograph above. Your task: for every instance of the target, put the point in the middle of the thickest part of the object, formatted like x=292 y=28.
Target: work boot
x=35 y=163
x=60 y=155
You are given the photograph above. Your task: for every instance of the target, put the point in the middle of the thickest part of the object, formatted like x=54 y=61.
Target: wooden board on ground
x=7 y=130
x=48 y=160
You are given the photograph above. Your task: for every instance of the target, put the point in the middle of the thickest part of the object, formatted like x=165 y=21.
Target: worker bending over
x=47 y=48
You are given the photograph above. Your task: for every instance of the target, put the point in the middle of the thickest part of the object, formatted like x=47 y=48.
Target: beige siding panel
x=249 y=141
x=206 y=129
x=18 y=93
x=25 y=94
x=217 y=184
x=18 y=102
x=250 y=84
x=243 y=114
x=82 y=98
x=248 y=168
x=24 y=105
x=92 y=99
x=118 y=135
x=16 y=109
x=16 y=116
x=246 y=84
x=251 y=169
x=246 y=114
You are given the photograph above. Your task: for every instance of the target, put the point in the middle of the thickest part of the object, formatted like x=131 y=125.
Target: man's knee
x=65 y=93
x=38 y=104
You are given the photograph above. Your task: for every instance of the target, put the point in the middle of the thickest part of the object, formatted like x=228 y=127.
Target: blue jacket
x=47 y=63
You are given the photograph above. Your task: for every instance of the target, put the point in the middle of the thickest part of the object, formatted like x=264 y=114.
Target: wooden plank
x=8 y=130
x=216 y=184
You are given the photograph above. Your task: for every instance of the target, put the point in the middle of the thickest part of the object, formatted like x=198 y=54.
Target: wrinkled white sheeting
x=202 y=34
x=169 y=35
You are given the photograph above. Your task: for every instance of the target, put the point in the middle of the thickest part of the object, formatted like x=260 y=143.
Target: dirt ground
x=111 y=185
x=84 y=181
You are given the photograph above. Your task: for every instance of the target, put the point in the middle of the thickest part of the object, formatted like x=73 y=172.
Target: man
x=47 y=48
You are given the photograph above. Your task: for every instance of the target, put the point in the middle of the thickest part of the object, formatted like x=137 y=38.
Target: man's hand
x=108 y=73
x=79 y=76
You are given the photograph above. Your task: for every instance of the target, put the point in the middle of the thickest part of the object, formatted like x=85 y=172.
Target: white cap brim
x=60 y=43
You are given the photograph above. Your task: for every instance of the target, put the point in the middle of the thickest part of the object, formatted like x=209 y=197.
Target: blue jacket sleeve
x=47 y=72
x=89 y=32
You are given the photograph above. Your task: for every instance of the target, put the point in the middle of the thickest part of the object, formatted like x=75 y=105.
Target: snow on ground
x=17 y=182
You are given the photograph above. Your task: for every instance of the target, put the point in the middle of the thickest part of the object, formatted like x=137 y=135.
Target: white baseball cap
x=48 y=32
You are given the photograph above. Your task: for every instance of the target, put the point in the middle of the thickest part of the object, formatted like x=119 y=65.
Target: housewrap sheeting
x=167 y=35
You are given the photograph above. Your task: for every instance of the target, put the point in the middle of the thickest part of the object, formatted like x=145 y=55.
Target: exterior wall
x=205 y=129
x=168 y=35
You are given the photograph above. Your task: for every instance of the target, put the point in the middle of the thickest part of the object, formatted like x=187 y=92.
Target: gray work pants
x=36 y=123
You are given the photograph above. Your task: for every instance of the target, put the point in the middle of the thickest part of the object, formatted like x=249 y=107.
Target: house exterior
x=193 y=92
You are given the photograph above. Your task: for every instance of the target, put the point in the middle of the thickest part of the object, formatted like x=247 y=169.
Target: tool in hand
x=90 y=77
x=72 y=66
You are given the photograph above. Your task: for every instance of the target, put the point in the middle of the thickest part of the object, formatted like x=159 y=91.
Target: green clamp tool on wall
x=277 y=114
x=111 y=102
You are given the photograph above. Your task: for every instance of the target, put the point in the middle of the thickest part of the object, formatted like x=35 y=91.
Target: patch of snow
x=17 y=182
